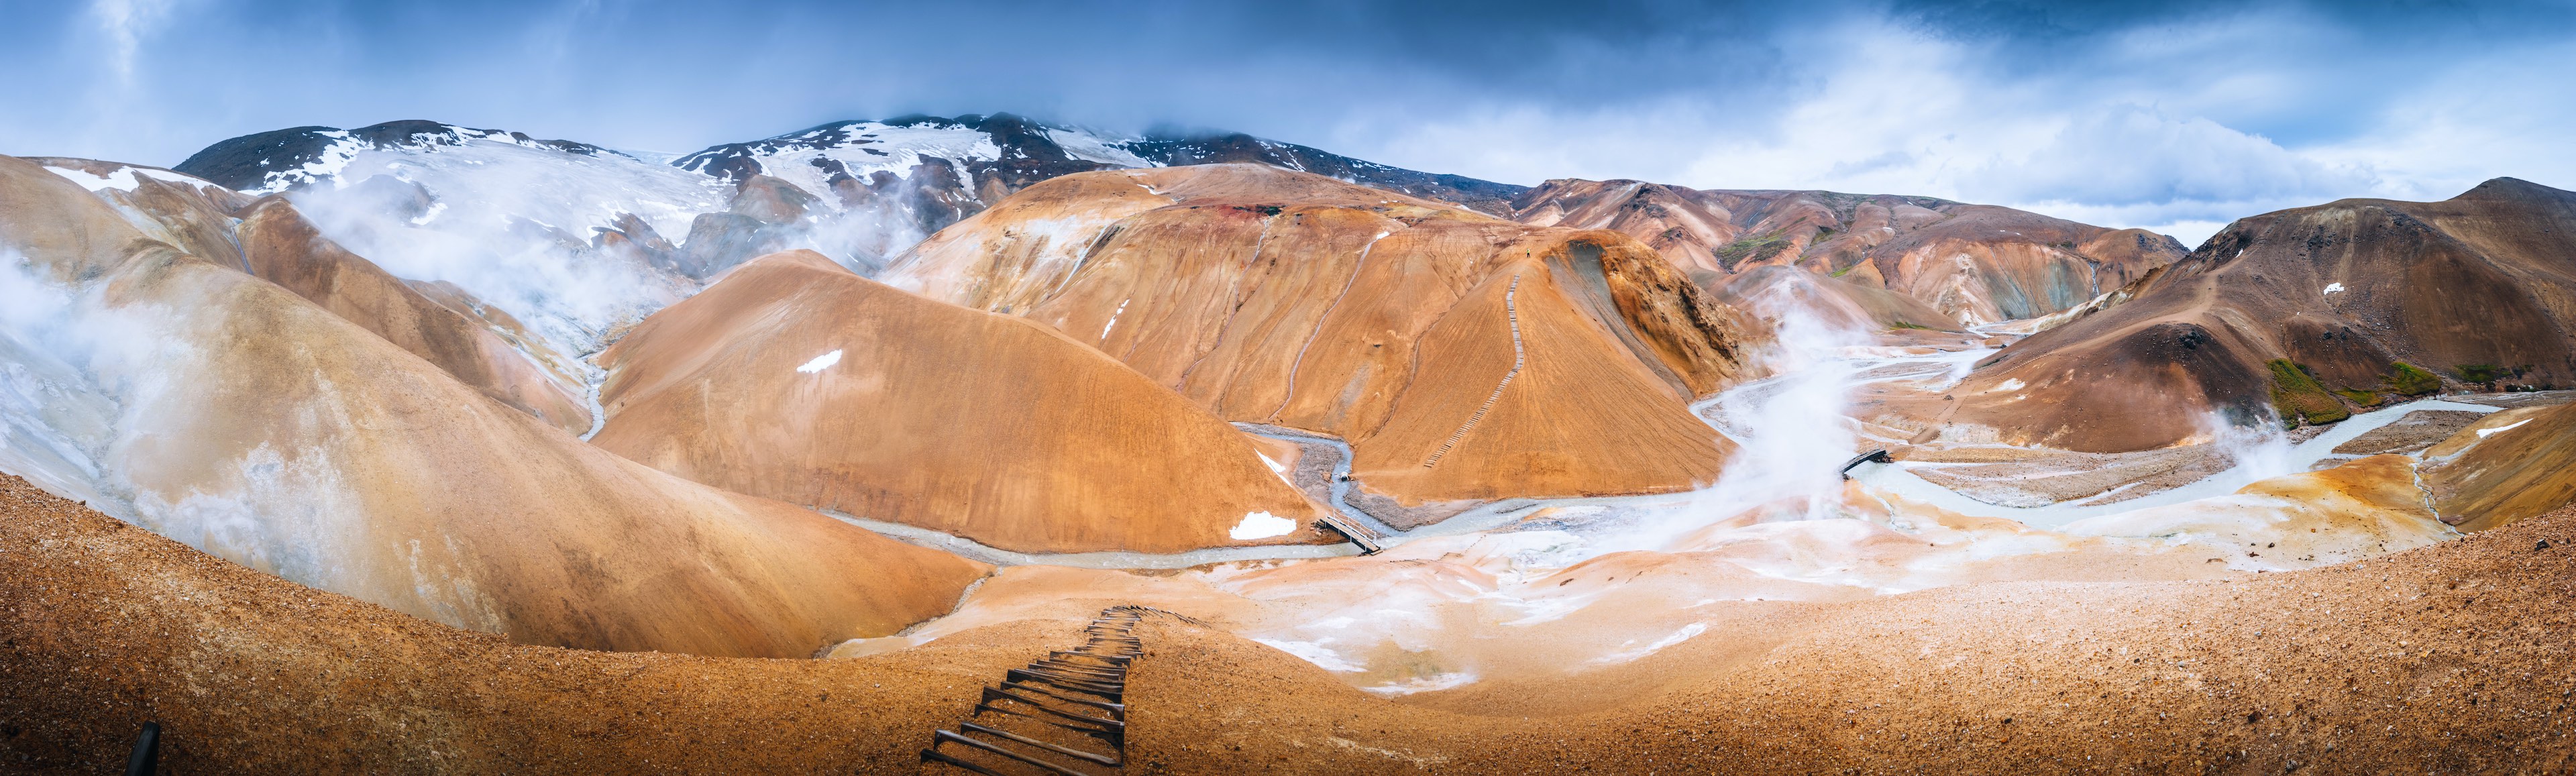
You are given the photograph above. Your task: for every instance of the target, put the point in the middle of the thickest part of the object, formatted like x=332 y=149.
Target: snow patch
x=1313 y=653
x=823 y=362
x=1423 y=684
x=1255 y=525
x=329 y=162
x=2488 y=432
x=1677 y=637
x=1092 y=148
x=1113 y=318
x=807 y=160
x=123 y=179
x=1276 y=468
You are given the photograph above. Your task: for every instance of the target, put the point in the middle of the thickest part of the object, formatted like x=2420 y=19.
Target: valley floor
x=2450 y=658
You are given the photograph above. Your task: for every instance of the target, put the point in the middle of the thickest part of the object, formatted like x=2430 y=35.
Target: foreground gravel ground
x=2449 y=659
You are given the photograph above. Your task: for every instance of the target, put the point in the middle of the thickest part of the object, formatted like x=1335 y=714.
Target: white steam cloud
x=1790 y=428
x=513 y=226
x=72 y=372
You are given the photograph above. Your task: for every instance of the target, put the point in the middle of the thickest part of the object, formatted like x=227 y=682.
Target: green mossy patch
x=1760 y=248
x=2298 y=398
x=2412 y=380
x=2360 y=398
x=2486 y=373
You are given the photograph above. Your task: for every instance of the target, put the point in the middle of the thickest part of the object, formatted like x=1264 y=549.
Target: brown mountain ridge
x=2307 y=313
x=1971 y=264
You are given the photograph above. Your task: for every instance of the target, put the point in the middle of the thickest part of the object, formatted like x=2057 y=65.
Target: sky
x=2177 y=116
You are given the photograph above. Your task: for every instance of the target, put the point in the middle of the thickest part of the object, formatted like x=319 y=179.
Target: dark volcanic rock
x=771 y=200
x=1176 y=150
x=720 y=240
x=631 y=237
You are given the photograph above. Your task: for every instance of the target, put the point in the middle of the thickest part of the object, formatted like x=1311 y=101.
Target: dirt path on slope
x=2450 y=658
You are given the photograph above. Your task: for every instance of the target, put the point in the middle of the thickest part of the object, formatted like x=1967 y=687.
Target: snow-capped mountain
x=858 y=191
x=561 y=235
x=275 y=161
x=1003 y=148
x=577 y=241
x=991 y=156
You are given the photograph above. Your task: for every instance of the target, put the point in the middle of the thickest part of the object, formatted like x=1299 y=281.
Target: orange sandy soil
x=2453 y=658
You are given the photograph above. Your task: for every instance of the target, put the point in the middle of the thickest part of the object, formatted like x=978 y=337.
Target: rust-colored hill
x=1973 y=263
x=1771 y=292
x=795 y=379
x=1466 y=358
x=2505 y=468
x=2308 y=314
x=182 y=210
x=267 y=430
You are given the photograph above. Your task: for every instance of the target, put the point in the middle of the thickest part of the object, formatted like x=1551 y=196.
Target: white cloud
x=2131 y=154
x=2503 y=113
x=126 y=23
x=2131 y=140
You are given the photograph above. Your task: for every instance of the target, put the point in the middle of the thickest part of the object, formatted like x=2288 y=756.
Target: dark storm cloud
x=2150 y=113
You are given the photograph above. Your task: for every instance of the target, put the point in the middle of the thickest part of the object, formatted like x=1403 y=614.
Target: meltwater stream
x=1896 y=479
x=1473 y=596
x=1739 y=414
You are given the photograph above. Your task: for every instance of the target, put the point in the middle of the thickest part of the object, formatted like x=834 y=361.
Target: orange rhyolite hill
x=1465 y=358
x=794 y=379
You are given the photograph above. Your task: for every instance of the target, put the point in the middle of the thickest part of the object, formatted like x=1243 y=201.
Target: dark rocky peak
x=2514 y=190
x=1020 y=137
x=995 y=154
x=288 y=158
x=1176 y=148
x=1015 y=142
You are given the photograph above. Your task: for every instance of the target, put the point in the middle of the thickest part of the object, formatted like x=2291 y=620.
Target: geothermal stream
x=1485 y=566
x=1895 y=479
x=1853 y=369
